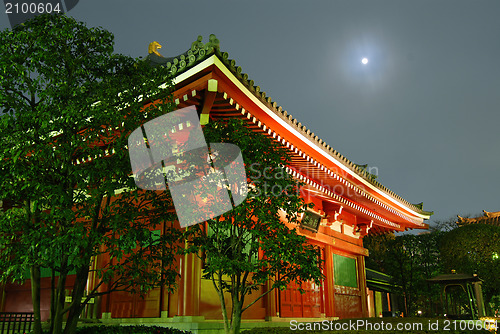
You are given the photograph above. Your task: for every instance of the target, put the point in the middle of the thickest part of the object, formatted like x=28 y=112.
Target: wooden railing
x=15 y=322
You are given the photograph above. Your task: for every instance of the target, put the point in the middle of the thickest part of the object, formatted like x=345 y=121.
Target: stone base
x=195 y=324
x=188 y=318
x=106 y=315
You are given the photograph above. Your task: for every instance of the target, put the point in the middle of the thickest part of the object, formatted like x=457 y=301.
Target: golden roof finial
x=153 y=48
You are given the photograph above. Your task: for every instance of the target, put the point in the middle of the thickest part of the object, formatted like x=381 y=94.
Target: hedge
x=136 y=329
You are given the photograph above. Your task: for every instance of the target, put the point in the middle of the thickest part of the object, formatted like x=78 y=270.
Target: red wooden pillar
x=272 y=298
x=329 y=283
x=191 y=283
x=104 y=302
x=181 y=287
x=174 y=299
x=362 y=285
x=270 y=301
x=277 y=301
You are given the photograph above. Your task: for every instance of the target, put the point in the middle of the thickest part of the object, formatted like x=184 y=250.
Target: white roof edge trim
x=201 y=66
x=216 y=61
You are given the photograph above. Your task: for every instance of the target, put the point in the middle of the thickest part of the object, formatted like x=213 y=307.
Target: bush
x=136 y=329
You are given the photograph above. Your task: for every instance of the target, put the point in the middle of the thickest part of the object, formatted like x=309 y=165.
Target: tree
x=429 y=266
x=68 y=103
x=448 y=224
x=410 y=260
x=250 y=245
x=402 y=261
x=474 y=249
x=378 y=246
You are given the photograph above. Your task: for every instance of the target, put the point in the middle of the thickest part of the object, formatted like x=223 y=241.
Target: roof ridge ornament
x=213 y=43
x=491 y=214
x=419 y=205
x=153 y=48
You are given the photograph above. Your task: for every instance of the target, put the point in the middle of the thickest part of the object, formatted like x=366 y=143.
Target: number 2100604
x=33 y=8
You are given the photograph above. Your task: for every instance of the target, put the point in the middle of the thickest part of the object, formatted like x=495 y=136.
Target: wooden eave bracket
x=208 y=101
x=332 y=212
x=363 y=227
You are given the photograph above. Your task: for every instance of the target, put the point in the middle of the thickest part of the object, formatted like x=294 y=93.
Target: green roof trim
x=379 y=281
x=200 y=51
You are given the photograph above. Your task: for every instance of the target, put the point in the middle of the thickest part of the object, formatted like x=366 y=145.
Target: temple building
x=349 y=203
x=490 y=218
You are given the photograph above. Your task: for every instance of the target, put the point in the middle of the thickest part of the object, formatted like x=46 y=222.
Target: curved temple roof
x=491 y=218
x=199 y=51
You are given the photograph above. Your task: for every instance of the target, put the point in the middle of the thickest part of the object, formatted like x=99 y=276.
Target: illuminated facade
x=348 y=204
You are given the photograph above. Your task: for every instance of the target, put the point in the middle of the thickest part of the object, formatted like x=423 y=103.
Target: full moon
x=364 y=61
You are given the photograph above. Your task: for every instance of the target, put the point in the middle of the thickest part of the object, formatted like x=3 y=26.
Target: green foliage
x=68 y=105
x=410 y=260
x=250 y=246
x=135 y=329
x=138 y=329
x=473 y=249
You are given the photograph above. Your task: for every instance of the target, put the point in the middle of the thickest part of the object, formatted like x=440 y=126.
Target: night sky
x=424 y=111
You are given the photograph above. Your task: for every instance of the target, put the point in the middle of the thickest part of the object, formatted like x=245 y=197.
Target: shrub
x=136 y=329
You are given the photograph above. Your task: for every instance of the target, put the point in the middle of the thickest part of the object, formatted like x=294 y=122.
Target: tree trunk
x=53 y=296
x=225 y=318
x=218 y=287
x=77 y=295
x=35 y=297
x=236 y=317
x=60 y=300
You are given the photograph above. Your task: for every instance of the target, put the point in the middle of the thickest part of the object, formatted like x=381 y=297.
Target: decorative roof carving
x=153 y=48
x=491 y=214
